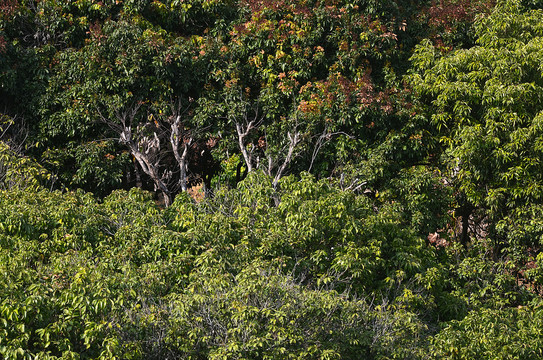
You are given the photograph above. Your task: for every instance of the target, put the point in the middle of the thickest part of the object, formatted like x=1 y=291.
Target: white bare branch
x=294 y=140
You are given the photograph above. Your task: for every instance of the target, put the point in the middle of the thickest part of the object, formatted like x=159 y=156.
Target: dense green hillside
x=371 y=179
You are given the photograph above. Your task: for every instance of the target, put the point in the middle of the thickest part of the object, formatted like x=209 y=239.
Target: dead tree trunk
x=145 y=150
x=178 y=137
x=243 y=131
x=294 y=140
x=148 y=166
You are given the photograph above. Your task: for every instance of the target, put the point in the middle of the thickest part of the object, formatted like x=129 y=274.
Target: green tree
x=506 y=334
x=485 y=104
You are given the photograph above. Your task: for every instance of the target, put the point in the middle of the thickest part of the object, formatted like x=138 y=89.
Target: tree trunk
x=293 y=142
x=175 y=138
x=242 y=134
x=146 y=165
x=465 y=212
x=150 y=169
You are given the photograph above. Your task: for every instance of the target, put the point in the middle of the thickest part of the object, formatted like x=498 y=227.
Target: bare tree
x=181 y=140
x=248 y=119
x=152 y=142
x=293 y=141
x=325 y=137
x=248 y=124
x=13 y=132
x=244 y=126
x=144 y=145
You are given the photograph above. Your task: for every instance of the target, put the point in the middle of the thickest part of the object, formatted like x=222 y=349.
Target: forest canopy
x=255 y=179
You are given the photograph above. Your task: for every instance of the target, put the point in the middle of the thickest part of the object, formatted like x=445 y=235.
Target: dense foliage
x=254 y=179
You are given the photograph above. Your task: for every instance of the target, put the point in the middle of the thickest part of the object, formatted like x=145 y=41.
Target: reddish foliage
x=262 y=144
x=447 y=14
x=95 y=31
x=8 y=7
x=365 y=93
x=259 y=6
x=436 y=240
x=338 y=89
x=2 y=44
